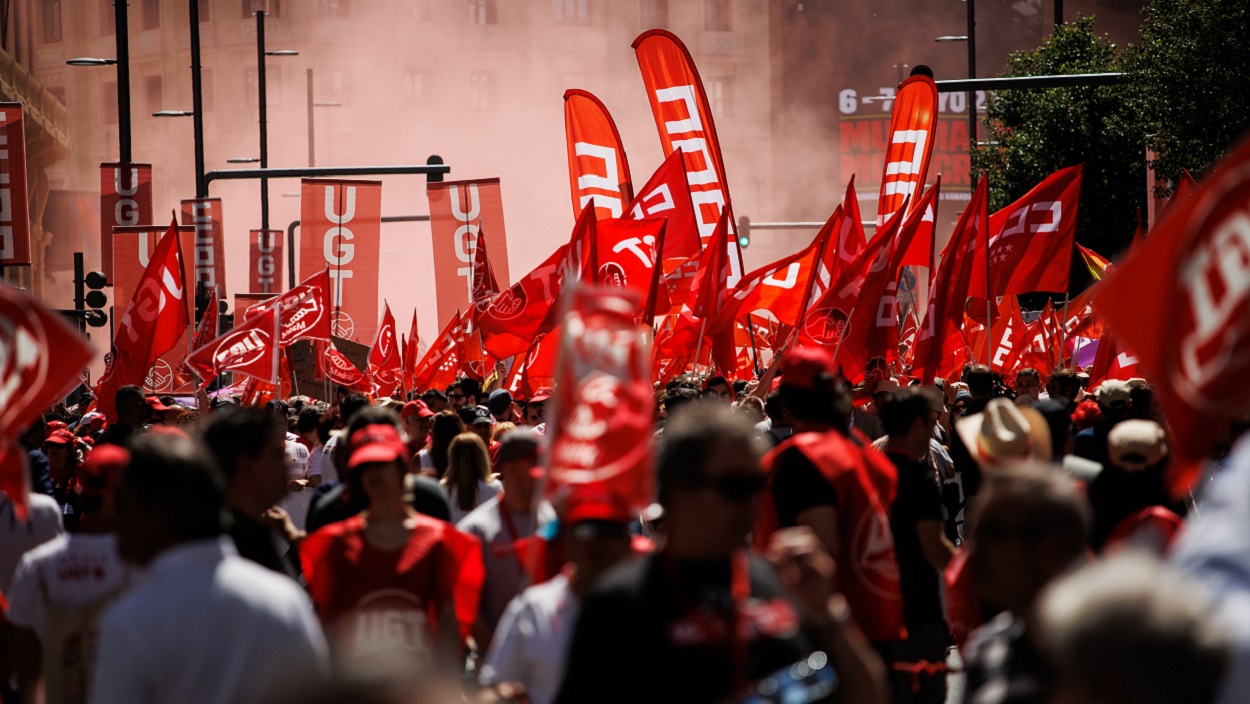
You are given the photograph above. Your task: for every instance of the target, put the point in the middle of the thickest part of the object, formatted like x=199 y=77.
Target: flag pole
x=1063 y=332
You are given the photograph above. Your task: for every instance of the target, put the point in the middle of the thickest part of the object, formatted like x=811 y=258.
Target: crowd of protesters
x=809 y=542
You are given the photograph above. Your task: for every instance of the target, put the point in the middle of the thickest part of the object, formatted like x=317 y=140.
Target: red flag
x=207 y=329
x=684 y=119
x=125 y=200
x=959 y=266
x=340 y=370
x=1031 y=239
x=1112 y=361
x=459 y=211
x=441 y=364
x=384 y=365
x=411 y=351
x=627 y=252
x=248 y=349
x=14 y=220
x=306 y=309
x=265 y=261
x=341 y=225
x=1037 y=345
x=204 y=215
x=485 y=287
x=153 y=323
x=40 y=356
x=600 y=425
x=509 y=325
x=912 y=121
x=869 y=343
x=598 y=169
x=1181 y=300
x=711 y=286
x=667 y=195
x=780 y=288
x=1007 y=336
x=920 y=253
x=851 y=239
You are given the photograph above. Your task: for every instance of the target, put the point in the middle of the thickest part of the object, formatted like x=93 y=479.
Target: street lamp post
x=971 y=99
x=264 y=112
x=197 y=100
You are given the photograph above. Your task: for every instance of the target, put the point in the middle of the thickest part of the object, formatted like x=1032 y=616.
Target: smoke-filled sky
x=412 y=79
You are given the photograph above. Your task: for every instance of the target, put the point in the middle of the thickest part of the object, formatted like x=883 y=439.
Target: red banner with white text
x=684 y=120
x=912 y=119
x=204 y=214
x=341 y=227
x=598 y=169
x=459 y=210
x=125 y=201
x=264 y=261
x=14 y=217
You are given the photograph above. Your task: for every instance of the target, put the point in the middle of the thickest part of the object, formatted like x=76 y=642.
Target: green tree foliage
x=1033 y=133
x=1189 y=82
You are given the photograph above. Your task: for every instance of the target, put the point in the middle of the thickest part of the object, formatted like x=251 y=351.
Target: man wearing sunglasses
x=702 y=620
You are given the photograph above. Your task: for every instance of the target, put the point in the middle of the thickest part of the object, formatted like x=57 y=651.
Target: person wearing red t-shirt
x=387 y=582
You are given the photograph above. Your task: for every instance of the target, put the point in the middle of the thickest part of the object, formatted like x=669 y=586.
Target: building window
x=416 y=82
x=107 y=19
x=483 y=12
x=653 y=13
x=575 y=12
x=481 y=91
x=110 y=102
x=150 y=14
x=334 y=9
x=416 y=10
x=718 y=15
x=154 y=93
x=720 y=93
x=51 y=21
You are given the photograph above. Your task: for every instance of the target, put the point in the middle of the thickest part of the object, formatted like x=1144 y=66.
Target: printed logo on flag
x=826 y=325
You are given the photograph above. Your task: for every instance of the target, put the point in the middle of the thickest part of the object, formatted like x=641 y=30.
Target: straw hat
x=1003 y=433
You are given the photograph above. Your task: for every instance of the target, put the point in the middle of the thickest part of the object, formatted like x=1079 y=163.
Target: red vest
x=865 y=483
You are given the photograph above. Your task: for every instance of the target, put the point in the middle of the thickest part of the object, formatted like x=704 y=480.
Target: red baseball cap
x=808 y=368
x=155 y=404
x=596 y=505
x=417 y=408
x=60 y=436
x=542 y=394
x=106 y=461
x=379 y=442
x=54 y=425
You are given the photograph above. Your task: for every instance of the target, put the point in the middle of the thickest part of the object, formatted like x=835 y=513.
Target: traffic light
x=96 y=300
x=744 y=231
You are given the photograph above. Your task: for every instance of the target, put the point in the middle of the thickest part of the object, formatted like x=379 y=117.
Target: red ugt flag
x=384 y=366
x=152 y=324
x=1181 y=301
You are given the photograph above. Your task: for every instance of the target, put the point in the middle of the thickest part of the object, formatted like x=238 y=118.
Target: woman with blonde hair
x=468 y=481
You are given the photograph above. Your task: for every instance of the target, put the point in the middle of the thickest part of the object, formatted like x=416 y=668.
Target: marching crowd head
x=982 y=538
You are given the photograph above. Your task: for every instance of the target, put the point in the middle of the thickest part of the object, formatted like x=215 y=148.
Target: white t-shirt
x=297 y=463
x=16 y=536
x=487 y=489
x=205 y=625
x=328 y=471
x=532 y=641
x=426 y=460
x=60 y=590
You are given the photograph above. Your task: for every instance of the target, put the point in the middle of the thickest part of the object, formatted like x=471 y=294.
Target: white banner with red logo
x=598 y=169
x=459 y=211
x=204 y=215
x=341 y=228
x=14 y=218
x=600 y=425
x=133 y=248
x=264 y=261
x=125 y=201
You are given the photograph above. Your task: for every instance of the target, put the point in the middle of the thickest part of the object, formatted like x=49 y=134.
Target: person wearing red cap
x=385 y=582
x=61 y=450
x=536 y=406
x=532 y=640
x=830 y=481
x=417 y=419
x=62 y=587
